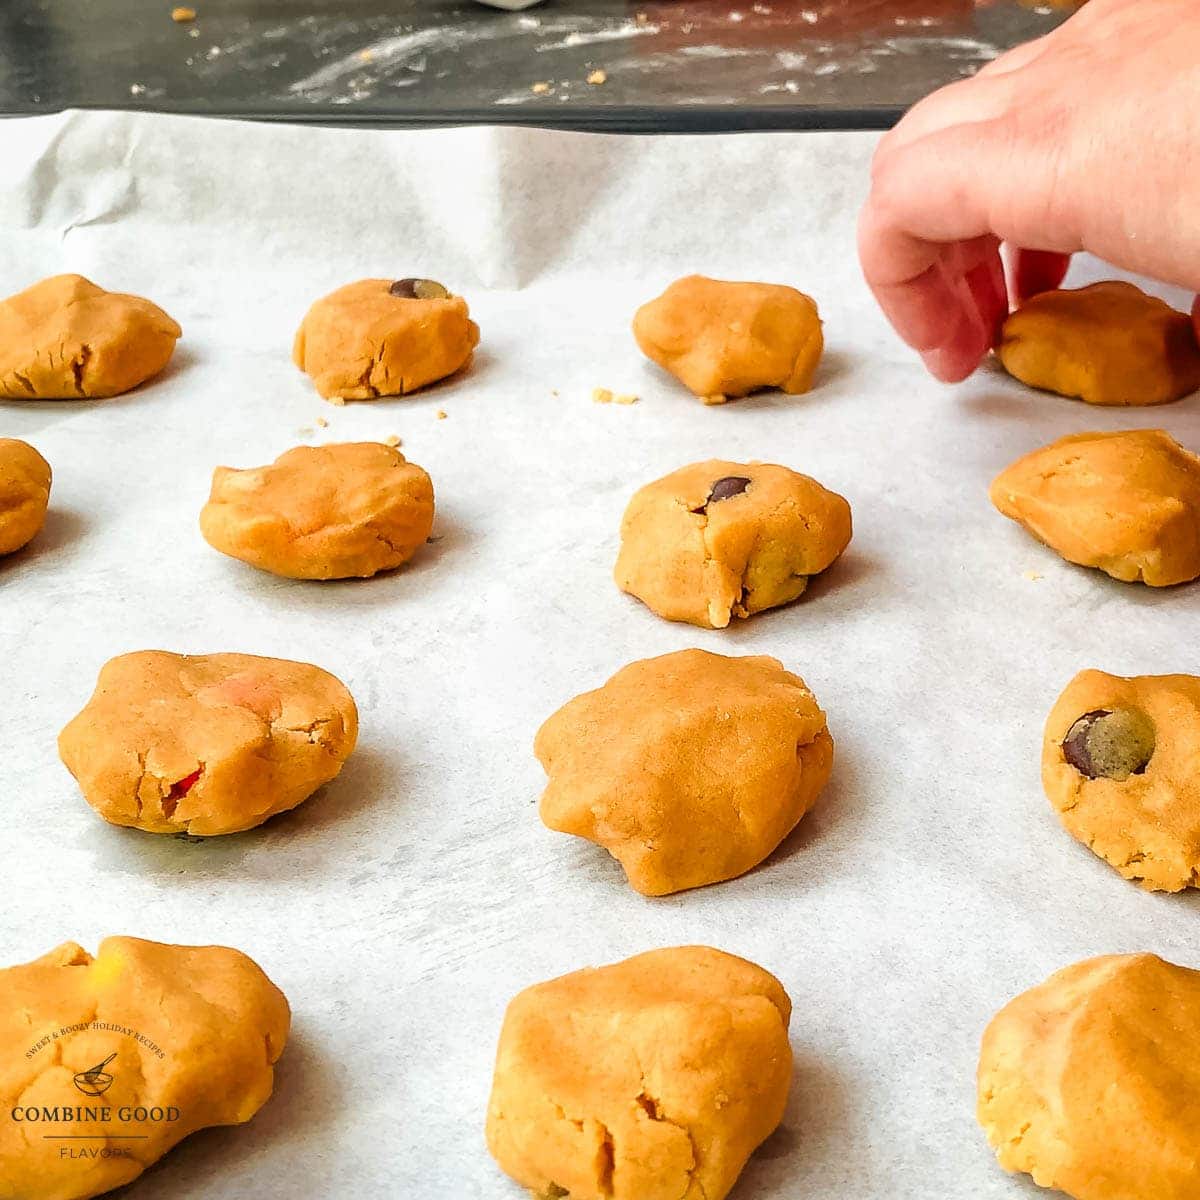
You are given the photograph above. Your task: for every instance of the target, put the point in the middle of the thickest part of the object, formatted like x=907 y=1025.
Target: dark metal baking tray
x=668 y=65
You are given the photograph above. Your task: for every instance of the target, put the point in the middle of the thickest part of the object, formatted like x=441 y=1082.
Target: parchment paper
x=403 y=906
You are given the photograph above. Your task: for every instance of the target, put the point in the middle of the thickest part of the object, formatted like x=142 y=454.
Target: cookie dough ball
x=65 y=339
x=1119 y=765
x=322 y=512
x=207 y=743
x=24 y=494
x=383 y=338
x=652 y=1079
x=719 y=540
x=1091 y=1082
x=688 y=769
x=1127 y=503
x=145 y=1041
x=1107 y=344
x=730 y=339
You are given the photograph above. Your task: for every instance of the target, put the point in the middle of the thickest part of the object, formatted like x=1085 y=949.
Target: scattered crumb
x=214 y=52
x=137 y=89
x=304 y=431
x=1032 y=576
x=182 y=15
x=717 y=398
x=540 y=88
x=193 y=33
x=441 y=414
x=391 y=440
x=339 y=401
x=602 y=396
x=366 y=55
x=642 y=18
x=321 y=423
x=625 y=398
x=554 y=391
x=597 y=77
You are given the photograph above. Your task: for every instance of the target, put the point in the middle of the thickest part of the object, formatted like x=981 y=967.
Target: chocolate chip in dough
x=724 y=489
x=1110 y=743
x=418 y=289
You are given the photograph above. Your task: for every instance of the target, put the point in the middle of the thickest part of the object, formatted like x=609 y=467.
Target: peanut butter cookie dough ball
x=718 y=540
x=688 y=769
x=1106 y=344
x=652 y=1079
x=147 y=1041
x=67 y=339
x=1125 y=503
x=24 y=494
x=1119 y=765
x=383 y=338
x=208 y=743
x=1090 y=1083
x=723 y=340
x=322 y=512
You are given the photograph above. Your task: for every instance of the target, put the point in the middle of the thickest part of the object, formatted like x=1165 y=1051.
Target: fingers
x=929 y=233
x=1034 y=271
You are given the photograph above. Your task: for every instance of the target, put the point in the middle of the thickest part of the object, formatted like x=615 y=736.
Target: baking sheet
x=401 y=907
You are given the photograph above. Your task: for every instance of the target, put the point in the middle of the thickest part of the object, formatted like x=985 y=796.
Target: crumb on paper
x=602 y=396
x=366 y=55
x=715 y=398
x=554 y=391
x=337 y=401
x=305 y=431
x=441 y=414
x=597 y=77
x=541 y=88
x=182 y=14
x=625 y=398
x=137 y=89
x=391 y=440
x=1033 y=576
x=321 y=423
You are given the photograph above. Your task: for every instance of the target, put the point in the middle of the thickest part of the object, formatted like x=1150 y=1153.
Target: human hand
x=1086 y=139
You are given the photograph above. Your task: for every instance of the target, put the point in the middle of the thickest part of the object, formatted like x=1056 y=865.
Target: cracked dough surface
x=24 y=494
x=704 y=560
x=360 y=341
x=1147 y=826
x=322 y=512
x=688 y=769
x=651 y=1079
x=65 y=339
x=1108 y=344
x=1091 y=1082
x=1125 y=503
x=724 y=339
x=207 y=744
x=217 y=1021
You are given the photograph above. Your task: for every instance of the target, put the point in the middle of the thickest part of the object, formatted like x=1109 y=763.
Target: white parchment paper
x=402 y=907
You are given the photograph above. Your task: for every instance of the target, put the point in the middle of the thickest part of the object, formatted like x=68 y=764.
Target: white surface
x=403 y=906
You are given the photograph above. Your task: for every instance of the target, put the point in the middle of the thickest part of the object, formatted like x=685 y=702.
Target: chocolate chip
x=418 y=289
x=727 y=488
x=1110 y=743
x=724 y=489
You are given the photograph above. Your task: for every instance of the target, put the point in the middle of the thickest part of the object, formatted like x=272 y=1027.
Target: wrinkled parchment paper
x=401 y=907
